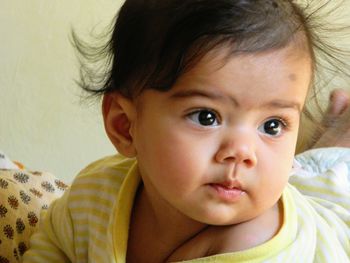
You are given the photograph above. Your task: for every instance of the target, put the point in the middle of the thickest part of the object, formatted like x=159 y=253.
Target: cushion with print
x=23 y=195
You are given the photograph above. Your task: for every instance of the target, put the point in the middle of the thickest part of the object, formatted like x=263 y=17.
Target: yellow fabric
x=268 y=250
x=90 y=223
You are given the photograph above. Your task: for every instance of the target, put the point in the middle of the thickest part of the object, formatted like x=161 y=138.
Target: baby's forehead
x=219 y=57
x=281 y=67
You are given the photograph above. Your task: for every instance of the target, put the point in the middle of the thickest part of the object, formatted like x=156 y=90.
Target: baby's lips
x=229 y=184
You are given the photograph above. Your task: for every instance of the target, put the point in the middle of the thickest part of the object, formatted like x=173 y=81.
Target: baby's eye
x=272 y=127
x=204 y=117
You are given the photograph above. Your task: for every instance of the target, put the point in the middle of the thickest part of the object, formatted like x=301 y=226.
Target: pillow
x=23 y=195
x=6 y=163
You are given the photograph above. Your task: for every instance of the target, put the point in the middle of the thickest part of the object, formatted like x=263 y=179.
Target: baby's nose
x=240 y=150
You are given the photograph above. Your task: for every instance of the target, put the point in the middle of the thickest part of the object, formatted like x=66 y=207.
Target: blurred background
x=43 y=123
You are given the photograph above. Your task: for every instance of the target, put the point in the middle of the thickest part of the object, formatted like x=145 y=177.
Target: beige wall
x=42 y=122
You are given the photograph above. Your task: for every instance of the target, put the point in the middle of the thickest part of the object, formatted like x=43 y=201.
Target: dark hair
x=153 y=42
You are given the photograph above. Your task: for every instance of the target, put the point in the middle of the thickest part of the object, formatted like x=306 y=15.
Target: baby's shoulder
x=215 y=240
x=114 y=167
x=108 y=164
x=102 y=177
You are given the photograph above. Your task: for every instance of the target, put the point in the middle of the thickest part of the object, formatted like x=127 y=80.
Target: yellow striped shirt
x=90 y=222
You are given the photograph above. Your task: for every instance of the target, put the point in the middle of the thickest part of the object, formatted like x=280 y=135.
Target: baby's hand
x=337 y=120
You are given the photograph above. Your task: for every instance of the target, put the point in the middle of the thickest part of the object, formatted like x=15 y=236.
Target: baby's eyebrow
x=283 y=104
x=279 y=103
x=200 y=93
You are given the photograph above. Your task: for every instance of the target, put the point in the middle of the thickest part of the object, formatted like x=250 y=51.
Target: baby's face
x=218 y=147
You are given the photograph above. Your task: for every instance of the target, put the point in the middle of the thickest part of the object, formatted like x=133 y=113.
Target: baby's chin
x=221 y=218
x=232 y=217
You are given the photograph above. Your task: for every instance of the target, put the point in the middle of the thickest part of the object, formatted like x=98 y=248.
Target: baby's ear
x=118 y=114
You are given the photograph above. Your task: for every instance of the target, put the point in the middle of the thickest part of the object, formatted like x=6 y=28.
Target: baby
x=203 y=102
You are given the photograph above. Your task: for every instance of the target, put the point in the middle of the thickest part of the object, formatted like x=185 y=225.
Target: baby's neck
x=155 y=234
x=162 y=237
x=226 y=239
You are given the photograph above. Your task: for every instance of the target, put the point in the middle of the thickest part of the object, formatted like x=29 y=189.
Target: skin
x=210 y=163
x=336 y=121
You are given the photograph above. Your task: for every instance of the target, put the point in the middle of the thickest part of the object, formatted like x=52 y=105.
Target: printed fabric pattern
x=23 y=195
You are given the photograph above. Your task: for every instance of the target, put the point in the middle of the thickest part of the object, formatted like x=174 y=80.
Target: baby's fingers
x=337 y=122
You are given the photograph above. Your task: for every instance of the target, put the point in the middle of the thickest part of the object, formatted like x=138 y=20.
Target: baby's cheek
x=274 y=173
